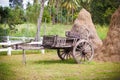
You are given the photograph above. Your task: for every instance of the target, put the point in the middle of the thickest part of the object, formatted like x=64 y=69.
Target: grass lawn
x=49 y=67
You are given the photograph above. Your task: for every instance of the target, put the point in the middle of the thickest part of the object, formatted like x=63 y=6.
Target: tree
x=32 y=13
x=16 y=16
x=54 y=6
x=84 y=4
x=37 y=38
x=35 y=1
x=51 y=5
x=102 y=10
x=11 y=17
x=70 y=5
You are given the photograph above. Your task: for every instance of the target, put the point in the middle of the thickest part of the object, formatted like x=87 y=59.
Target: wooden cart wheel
x=83 y=51
x=64 y=54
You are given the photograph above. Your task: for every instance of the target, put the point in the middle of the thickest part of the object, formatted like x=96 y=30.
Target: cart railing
x=53 y=41
x=58 y=42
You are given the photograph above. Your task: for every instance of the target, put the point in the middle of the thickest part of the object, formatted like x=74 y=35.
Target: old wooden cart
x=73 y=46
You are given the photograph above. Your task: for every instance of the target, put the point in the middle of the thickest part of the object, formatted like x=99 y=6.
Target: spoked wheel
x=64 y=54
x=83 y=51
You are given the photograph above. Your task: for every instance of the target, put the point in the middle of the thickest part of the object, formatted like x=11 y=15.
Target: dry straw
x=84 y=21
x=110 y=50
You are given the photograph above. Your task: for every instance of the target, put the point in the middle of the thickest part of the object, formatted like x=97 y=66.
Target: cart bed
x=54 y=41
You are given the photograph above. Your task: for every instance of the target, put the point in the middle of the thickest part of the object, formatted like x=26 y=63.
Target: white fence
x=17 y=40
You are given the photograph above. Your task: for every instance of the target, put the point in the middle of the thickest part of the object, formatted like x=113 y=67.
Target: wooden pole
x=9 y=48
x=24 y=57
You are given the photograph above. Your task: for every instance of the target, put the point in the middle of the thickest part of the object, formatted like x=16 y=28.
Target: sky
x=25 y=2
x=4 y=3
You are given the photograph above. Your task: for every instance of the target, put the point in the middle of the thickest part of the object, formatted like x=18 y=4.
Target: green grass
x=102 y=31
x=50 y=67
x=49 y=29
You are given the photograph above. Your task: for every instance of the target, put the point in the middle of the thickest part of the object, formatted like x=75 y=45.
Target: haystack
x=84 y=21
x=110 y=51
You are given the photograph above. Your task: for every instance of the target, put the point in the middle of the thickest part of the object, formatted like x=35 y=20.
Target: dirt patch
x=110 y=51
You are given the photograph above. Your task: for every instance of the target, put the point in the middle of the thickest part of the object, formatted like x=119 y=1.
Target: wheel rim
x=83 y=51
x=64 y=54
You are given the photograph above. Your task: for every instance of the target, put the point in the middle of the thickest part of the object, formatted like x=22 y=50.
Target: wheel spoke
x=64 y=54
x=87 y=47
x=90 y=54
x=81 y=58
x=69 y=55
x=86 y=57
x=80 y=50
x=87 y=51
x=78 y=54
x=83 y=51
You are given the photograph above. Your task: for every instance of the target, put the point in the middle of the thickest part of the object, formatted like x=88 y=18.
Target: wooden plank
x=11 y=43
x=3 y=43
x=35 y=42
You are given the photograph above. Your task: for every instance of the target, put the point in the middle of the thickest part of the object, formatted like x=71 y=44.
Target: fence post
x=23 y=39
x=41 y=41
x=24 y=57
x=42 y=51
x=9 y=48
x=9 y=51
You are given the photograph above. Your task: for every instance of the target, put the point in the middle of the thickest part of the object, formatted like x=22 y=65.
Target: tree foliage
x=11 y=17
x=59 y=11
x=32 y=13
x=16 y=17
x=103 y=9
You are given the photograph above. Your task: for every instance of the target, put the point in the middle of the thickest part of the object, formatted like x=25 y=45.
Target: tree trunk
x=57 y=9
x=37 y=38
x=53 y=19
x=72 y=14
x=68 y=13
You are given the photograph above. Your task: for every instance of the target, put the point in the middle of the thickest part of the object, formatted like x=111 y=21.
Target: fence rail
x=10 y=40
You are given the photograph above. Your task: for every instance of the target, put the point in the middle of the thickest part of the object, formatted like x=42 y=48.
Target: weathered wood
x=24 y=57
x=56 y=42
x=19 y=45
x=83 y=51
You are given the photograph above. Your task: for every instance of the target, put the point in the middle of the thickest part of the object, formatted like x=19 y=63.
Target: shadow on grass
x=71 y=61
x=55 y=62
